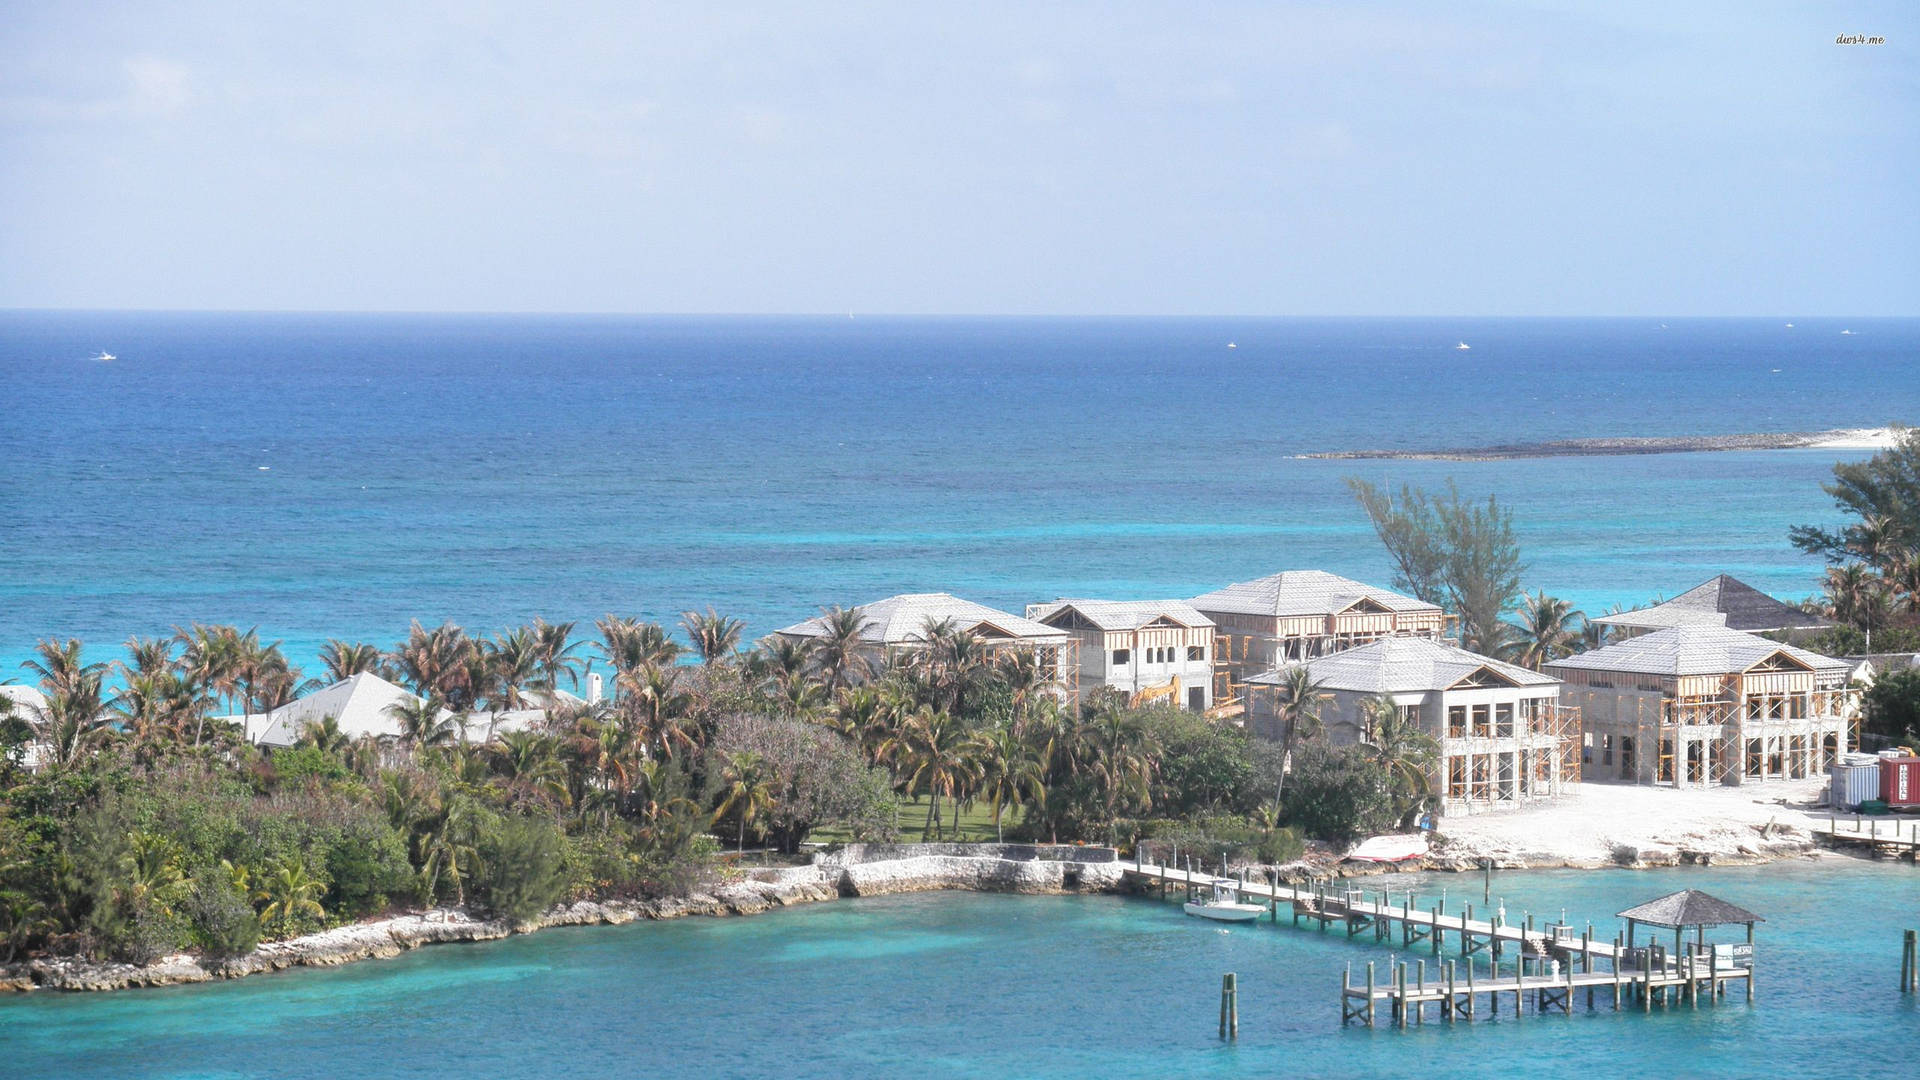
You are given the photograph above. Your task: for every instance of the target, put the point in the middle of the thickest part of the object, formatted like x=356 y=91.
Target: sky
x=1270 y=158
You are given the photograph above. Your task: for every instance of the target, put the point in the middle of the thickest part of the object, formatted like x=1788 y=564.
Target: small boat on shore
x=1222 y=905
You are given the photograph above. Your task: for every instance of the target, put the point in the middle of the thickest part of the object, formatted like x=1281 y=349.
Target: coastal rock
x=73 y=973
x=932 y=872
x=16 y=978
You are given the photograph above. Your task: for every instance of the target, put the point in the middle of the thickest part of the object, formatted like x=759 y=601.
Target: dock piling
x=1229 y=1006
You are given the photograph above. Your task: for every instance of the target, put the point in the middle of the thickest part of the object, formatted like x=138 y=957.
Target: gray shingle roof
x=1123 y=614
x=902 y=620
x=1724 y=601
x=1402 y=665
x=1691 y=650
x=1689 y=907
x=1302 y=592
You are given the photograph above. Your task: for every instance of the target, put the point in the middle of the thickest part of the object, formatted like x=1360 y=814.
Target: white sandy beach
x=1856 y=439
x=1590 y=824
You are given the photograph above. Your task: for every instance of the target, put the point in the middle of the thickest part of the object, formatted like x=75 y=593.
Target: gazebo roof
x=1689 y=907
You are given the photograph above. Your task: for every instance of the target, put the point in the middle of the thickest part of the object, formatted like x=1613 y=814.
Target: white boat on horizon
x=1224 y=905
x=1463 y=345
x=105 y=355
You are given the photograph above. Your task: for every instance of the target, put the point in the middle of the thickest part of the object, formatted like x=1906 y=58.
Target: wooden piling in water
x=1229 y=1006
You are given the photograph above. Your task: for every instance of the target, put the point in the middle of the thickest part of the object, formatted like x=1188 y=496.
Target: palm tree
x=749 y=792
x=75 y=718
x=439 y=663
x=527 y=764
x=715 y=637
x=1851 y=591
x=555 y=654
x=839 y=650
x=210 y=656
x=939 y=756
x=661 y=709
x=325 y=734
x=345 y=659
x=1010 y=773
x=1546 y=630
x=450 y=846
x=954 y=662
x=1297 y=703
x=423 y=723
x=514 y=659
x=1116 y=749
x=289 y=892
x=630 y=644
x=1393 y=740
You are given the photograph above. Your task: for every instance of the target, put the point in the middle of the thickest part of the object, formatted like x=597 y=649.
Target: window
x=1120 y=657
x=1197 y=653
x=1606 y=749
x=1480 y=725
x=1503 y=721
x=1457 y=721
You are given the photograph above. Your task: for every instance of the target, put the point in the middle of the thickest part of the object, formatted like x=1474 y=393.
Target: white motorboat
x=105 y=356
x=1462 y=345
x=1223 y=906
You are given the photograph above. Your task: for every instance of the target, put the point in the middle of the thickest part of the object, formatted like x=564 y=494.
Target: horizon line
x=857 y=314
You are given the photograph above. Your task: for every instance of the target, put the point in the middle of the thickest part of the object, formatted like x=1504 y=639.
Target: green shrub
x=221 y=921
x=366 y=863
x=1337 y=795
x=523 y=868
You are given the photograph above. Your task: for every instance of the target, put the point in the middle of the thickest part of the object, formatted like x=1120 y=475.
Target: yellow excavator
x=1170 y=692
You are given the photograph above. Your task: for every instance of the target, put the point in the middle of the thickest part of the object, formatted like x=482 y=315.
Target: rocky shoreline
x=854 y=871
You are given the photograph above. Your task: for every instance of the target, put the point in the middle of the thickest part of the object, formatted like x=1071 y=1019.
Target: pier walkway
x=1887 y=836
x=1549 y=962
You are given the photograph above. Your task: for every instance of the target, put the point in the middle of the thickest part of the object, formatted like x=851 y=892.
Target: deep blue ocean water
x=339 y=475
x=966 y=985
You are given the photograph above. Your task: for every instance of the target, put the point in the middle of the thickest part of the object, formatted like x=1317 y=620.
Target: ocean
x=326 y=476
x=970 y=985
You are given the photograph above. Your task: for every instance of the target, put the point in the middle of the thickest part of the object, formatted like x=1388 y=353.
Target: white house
x=364 y=704
x=1150 y=649
x=898 y=625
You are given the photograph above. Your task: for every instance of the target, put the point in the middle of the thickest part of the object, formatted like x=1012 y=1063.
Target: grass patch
x=976 y=823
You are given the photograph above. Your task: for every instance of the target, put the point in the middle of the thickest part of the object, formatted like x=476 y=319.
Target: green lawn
x=976 y=824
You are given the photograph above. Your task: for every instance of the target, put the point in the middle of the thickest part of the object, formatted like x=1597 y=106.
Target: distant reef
x=1842 y=438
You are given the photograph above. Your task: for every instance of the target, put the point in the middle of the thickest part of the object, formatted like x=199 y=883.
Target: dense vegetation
x=149 y=824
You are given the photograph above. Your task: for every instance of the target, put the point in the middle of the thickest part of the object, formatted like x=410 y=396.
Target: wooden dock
x=1548 y=964
x=1882 y=836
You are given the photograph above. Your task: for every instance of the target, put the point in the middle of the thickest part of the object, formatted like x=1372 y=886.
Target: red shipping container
x=1900 y=781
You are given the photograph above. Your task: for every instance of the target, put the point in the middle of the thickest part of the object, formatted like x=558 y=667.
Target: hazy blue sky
x=1267 y=158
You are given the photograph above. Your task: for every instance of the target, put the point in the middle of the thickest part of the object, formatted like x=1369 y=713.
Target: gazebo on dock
x=1689 y=908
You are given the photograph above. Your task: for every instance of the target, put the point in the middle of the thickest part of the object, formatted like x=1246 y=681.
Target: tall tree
x=1450 y=551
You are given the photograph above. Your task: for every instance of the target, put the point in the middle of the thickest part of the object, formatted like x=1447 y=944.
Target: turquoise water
x=339 y=475
x=958 y=984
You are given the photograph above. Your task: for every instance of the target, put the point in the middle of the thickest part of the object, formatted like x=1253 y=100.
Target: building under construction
x=1697 y=705
x=1150 y=650
x=1301 y=615
x=1502 y=733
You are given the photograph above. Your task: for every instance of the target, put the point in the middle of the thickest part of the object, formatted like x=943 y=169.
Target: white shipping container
x=1851 y=785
